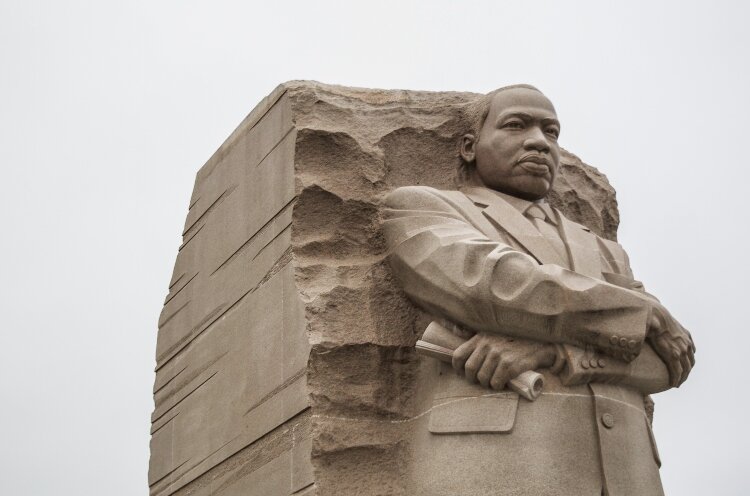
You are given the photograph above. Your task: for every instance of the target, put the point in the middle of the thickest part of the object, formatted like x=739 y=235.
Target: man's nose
x=536 y=140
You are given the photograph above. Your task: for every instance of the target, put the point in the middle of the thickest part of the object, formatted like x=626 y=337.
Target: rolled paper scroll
x=439 y=342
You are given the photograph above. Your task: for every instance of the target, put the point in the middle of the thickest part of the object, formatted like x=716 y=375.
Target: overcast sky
x=107 y=110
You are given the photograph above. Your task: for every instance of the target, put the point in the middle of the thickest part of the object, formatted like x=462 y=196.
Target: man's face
x=517 y=151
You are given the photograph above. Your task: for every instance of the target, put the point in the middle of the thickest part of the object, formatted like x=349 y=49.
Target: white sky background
x=108 y=109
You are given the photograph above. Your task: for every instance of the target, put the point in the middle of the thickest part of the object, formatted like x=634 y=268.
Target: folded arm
x=647 y=373
x=451 y=269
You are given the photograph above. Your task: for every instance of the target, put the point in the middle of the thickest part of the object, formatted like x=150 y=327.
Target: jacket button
x=585 y=363
x=608 y=420
x=601 y=362
x=631 y=344
x=614 y=340
x=593 y=363
x=623 y=342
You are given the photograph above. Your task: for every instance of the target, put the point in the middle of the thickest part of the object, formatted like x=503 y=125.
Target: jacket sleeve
x=647 y=373
x=452 y=270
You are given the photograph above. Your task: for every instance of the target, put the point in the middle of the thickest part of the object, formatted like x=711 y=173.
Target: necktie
x=538 y=217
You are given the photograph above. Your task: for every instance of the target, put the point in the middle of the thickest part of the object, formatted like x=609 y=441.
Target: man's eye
x=552 y=131
x=513 y=125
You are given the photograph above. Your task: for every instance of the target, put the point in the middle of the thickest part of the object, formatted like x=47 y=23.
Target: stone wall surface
x=285 y=359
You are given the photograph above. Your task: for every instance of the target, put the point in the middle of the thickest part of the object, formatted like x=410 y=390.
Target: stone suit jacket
x=471 y=258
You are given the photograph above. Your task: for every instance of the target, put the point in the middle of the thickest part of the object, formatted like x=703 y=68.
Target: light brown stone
x=285 y=355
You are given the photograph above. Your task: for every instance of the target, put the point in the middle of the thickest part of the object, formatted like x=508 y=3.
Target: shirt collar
x=522 y=205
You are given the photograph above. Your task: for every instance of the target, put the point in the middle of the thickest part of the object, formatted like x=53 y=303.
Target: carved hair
x=474 y=115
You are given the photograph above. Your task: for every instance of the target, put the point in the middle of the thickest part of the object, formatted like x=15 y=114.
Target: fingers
x=686 y=366
x=674 y=345
x=690 y=351
x=675 y=366
x=692 y=344
x=687 y=355
x=463 y=352
x=503 y=373
x=474 y=363
x=683 y=353
x=491 y=361
x=678 y=354
x=506 y=371
x=670 y=357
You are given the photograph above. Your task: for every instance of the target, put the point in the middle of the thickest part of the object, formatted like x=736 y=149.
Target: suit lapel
x=582 y=247
x=504 y=216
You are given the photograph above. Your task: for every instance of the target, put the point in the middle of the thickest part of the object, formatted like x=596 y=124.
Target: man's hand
x=672 y=343
x=494 y=360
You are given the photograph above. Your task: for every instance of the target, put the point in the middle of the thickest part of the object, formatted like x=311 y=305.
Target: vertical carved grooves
x=285 y=229
x=191 y=237
x=219 y=312
x=155 y=490
x=283 y=210
x=260 y=162
x=247 y=460
x=254 y=118
x=172 y=315
x=163 y=477
x=164 y=358
x=294 y=378
x=186 y=396
x=160 y=399
x=176 y=280
x=158 y=387
x=157 y=426
x=203 y=341
x=308 y=489
x=174 y=293
x=224 y=195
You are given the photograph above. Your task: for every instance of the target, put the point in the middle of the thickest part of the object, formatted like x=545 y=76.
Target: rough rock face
x=285 y=360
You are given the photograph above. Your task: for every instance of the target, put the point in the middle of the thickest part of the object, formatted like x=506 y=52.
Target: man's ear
x=467 y=147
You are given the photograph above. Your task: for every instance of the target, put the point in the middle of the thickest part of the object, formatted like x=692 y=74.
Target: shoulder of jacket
x=415 y=195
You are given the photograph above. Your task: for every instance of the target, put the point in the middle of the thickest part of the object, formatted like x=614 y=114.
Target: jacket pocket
x=474 y=414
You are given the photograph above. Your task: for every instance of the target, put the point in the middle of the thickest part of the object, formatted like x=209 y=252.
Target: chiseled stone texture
x=285 y=355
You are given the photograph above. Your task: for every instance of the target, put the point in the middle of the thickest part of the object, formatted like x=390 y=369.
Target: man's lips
x=536 y=165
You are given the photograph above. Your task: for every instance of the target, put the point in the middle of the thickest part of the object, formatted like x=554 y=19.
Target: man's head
x=512 y=144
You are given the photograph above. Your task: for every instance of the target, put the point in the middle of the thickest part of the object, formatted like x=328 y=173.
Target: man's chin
x=529 y=188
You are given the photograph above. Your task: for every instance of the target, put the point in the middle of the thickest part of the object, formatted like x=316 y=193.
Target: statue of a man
x=529 y=290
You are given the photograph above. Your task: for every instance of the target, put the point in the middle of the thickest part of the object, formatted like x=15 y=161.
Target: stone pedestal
x=285 y=355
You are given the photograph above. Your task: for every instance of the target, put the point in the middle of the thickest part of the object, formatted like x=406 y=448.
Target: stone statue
x=289 y=355
x=522 y=288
